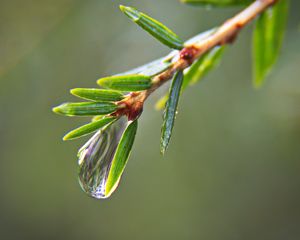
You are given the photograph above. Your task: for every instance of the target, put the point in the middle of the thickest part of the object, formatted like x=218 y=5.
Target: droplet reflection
x=95 y=158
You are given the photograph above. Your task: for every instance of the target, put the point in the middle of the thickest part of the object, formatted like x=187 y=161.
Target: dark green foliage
x=218 y=3
x=121 y=156
x=154 y=27
x=94 y=94
x=134 y=82
x=88 y=128
x=267 y=40
x=170 y=111
x=85 y=108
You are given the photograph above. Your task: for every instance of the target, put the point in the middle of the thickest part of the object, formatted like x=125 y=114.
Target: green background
x=232 y=168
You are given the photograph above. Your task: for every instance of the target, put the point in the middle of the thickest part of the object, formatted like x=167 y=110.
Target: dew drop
x=95 y=158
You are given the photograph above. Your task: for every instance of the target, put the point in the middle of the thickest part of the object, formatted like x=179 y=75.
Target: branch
x=133 y=104
x=103 y=158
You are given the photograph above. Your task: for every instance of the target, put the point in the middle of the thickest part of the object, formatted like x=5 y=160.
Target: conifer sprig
x=117 y=106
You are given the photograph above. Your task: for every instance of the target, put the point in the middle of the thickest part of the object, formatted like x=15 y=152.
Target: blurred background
x=231 y=171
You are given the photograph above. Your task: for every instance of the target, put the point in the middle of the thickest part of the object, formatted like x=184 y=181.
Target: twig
x=132 y=106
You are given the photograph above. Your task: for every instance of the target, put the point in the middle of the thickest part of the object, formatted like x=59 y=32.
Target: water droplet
x=95 y=158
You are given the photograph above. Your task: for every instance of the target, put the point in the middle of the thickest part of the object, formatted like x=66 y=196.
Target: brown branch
x=132 y=105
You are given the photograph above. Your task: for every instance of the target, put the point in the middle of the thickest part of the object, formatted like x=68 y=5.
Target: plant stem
x=225 y=34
